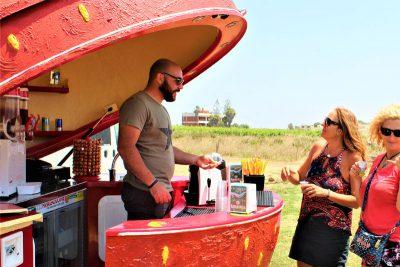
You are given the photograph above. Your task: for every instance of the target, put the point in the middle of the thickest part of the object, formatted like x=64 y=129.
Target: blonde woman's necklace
x=386 y=159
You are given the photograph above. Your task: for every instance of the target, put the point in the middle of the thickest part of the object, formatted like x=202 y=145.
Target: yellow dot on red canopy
x=84 y=12
x=13 y=41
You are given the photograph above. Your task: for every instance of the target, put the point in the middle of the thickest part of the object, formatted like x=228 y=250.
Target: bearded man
x=145 y=144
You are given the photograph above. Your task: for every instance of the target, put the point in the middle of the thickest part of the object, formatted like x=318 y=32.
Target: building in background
x=200 y=117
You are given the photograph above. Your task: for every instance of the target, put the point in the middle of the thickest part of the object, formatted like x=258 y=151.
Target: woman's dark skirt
x=318 y=244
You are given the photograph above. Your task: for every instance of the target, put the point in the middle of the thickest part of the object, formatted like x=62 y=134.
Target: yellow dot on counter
x=260 y=257
x=84 y=13
x=156 y=224
x=240 y=214
x=246 y=243
x=165 y=254
x=13 y=41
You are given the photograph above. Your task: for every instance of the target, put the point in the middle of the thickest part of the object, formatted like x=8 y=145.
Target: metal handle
x=14 y=139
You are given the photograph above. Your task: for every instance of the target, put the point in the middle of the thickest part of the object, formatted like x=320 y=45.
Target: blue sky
x=300 y=59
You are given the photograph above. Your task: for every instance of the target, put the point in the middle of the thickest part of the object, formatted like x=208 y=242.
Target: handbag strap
x=364 y=204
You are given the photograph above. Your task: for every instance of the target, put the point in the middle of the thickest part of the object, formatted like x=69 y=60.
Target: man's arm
x=184 y=158
x=128 y=136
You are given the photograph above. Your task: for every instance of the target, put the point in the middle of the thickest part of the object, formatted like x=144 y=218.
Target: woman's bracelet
x=329 y=193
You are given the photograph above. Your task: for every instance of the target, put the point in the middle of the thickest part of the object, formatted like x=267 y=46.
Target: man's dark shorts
x=140 y=204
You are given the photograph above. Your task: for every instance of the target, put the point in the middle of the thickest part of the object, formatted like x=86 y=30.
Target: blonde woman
x=382 y=210
x=329 y=193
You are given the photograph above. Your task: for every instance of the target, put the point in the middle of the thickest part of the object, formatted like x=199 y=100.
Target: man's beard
x=167 y=94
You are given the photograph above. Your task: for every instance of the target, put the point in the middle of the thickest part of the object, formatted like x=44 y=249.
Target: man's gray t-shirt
x=154 y=143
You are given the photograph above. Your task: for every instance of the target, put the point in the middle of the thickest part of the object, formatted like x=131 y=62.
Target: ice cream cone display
x=87 y=156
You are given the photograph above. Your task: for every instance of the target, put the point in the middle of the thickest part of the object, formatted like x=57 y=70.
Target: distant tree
x=215 y=120
x=196 y=110
x=317 y=124
x=290 y=126
x=229 y=114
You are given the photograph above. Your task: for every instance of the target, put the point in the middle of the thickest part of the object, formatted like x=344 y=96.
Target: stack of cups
x=221 y=199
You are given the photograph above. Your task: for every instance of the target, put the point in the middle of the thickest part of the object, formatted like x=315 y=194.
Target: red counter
x=219 y=239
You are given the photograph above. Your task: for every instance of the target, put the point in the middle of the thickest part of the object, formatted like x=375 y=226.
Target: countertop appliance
x=12 y=145
x=203 y=184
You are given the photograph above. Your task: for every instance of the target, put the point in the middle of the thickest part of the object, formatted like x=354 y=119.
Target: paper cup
x=363 y=166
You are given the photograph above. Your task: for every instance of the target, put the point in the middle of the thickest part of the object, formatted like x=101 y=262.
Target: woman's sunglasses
x=388 y=132
x=329 y=122
x=178 y=80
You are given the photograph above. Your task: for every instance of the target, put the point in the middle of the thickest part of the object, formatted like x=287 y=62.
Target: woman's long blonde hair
x=352 y=139
x=391 y=112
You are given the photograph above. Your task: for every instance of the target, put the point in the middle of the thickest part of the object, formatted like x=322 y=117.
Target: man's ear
x=160 y=78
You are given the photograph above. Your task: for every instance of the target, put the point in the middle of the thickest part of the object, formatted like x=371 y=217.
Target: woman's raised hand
x=288 y=174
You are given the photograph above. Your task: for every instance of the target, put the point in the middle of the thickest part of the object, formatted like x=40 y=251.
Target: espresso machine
x=12 y=145
x=203 y=184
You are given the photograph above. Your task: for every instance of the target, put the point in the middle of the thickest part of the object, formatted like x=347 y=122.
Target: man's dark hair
x=161 y=65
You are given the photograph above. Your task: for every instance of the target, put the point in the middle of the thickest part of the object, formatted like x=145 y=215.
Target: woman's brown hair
x=352 y=139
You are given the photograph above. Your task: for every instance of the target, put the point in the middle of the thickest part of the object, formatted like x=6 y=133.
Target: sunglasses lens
x=328 y=121
x=396 y=133
x=386 y=131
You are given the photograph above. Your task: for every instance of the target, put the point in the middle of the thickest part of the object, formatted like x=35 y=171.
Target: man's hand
x=205 y=162
x=160 y=193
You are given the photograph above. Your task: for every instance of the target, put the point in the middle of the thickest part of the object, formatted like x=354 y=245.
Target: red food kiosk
x=79 y=57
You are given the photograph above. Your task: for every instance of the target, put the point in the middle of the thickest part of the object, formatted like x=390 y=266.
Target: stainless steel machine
x=12 y=145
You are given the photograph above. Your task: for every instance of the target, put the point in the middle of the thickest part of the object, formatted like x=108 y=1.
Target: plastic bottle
x=216 y=157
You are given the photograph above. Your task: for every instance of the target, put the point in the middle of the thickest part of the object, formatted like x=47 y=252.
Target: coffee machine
x=12 y=145
x=203 y=184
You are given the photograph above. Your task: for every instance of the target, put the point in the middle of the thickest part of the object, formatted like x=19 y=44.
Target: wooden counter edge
x=13 y=225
